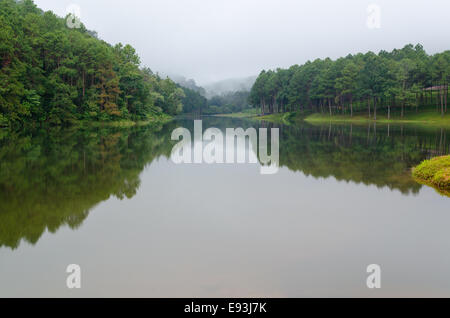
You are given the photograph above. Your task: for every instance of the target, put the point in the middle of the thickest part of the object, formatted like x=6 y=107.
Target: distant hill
x=188 y=83
x=230 y=85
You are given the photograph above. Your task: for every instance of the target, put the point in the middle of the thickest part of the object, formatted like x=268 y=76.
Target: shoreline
x=422 y=118
x=123 y=123
x=427 y=118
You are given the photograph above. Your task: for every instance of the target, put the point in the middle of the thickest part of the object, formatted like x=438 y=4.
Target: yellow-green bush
x=435 y=172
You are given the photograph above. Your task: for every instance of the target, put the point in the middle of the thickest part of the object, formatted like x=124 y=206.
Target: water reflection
x=55 y=177
x=380 y=155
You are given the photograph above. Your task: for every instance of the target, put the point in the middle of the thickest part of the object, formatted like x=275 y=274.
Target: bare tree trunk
x=329 y=105
x=403 y=99
x=445 y=97
x=375 y=108
x=368 y=105
x=403 y=107
x=351 y=106
x=417 y=104
x=431 y=98
x=437 y=100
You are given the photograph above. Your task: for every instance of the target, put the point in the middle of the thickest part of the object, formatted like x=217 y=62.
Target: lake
x=112 y=201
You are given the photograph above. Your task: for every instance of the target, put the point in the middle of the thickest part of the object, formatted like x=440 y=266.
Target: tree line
x=50 y=73
x=196 y=103
x=401 y=80
x=226 y=103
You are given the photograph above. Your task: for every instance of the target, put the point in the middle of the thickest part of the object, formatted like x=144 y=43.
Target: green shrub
x=435 y=172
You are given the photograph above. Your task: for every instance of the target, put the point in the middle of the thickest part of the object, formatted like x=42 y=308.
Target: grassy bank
x=428 y=118
x=248 y=113
x=435 y=173
x=285 y=118
x=236 y=115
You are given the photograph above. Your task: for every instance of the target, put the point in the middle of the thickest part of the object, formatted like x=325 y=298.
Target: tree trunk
x=445 y=97
x=431 y=95
x=329 y=105
x=437 y=100
x=351 y=106
x=375 y=108
x=368 y=105
x=417 y=104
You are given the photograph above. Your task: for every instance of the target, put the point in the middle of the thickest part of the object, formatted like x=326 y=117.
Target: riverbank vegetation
x=436 y=173
x=393 y=83
x=246 y=113
x=53 y=74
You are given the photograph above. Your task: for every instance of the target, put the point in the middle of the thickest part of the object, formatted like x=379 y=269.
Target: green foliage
x=50 y=73
x=435 y=172
x=233 y=102
x=193 y=102
x=406 y=78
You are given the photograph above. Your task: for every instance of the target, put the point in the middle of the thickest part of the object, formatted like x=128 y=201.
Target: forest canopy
x=50 y=73
x=400 y=80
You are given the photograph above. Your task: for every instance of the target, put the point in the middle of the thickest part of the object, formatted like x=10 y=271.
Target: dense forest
x=397 y=81
x=193 y=101
x=226 y=103
x=50 y=73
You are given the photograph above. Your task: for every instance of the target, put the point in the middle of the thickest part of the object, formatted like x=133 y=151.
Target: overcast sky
x=211 y=40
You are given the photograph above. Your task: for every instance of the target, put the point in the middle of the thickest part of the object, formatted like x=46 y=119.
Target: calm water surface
x=113 y=202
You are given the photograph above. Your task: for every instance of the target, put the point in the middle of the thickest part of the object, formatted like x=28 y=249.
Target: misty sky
x=211 y=40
